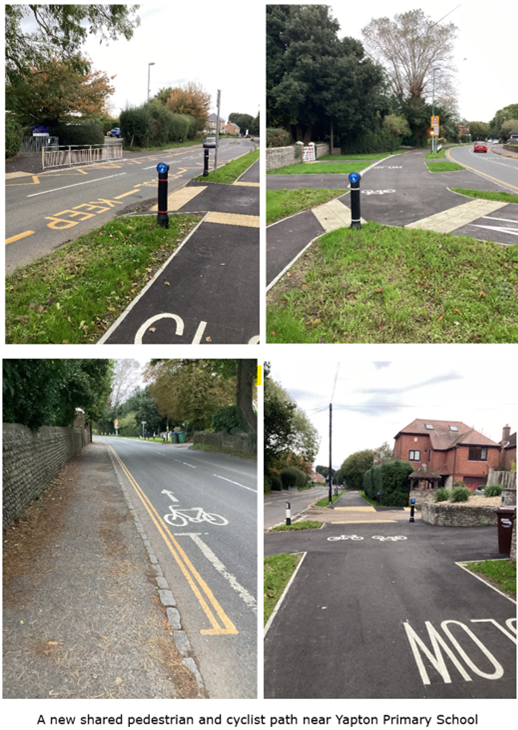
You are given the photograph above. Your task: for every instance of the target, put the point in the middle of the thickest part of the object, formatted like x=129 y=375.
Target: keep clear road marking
x=238 y=484
x=194 y=579
x=218 y=565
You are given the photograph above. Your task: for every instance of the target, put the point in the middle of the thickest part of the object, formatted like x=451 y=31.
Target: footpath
x=351 y=508
x=84 y=600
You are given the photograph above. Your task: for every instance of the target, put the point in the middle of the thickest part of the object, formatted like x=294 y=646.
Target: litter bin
x=174 y=438
x=506 y=516
x=181 y=437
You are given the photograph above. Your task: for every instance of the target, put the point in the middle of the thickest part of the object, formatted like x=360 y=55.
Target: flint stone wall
x=457 y=515
x=282 y=156
x=240 y=442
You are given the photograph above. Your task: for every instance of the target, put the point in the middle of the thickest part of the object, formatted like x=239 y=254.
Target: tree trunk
x=332 y=138
x=307 y=134
x=246 y=373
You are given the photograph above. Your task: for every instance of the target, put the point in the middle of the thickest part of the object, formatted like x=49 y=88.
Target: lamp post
x=433 y=107
x=148 y=90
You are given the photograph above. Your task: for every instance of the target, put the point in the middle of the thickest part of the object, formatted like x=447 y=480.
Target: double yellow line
x=194 y=579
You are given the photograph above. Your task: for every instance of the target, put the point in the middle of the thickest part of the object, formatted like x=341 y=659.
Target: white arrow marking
x=170 y=495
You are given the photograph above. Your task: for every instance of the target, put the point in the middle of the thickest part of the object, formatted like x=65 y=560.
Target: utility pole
x=330 y=475
x=217 y=133
x=148 y=90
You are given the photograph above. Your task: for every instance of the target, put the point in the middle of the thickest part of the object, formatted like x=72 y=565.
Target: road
x=275 y=504
x=210 y=566
x=384 y=611
x=45 y=211
x=491 y=166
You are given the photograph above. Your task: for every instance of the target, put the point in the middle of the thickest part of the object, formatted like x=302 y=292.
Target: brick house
x=232 y=128
x=451 y=449
x=213 y=123
x=508 y=449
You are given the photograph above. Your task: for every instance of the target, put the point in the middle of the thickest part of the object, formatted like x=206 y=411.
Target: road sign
x=434 y=132
x=116 y=423
x=354 y=177
x=435 y=121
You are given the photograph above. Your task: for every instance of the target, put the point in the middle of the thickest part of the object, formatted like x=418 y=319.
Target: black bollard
x=288 y=513
x=378 y=497
x=412 y=507
x=162 y=218
x=354 y=180
x=205 y=162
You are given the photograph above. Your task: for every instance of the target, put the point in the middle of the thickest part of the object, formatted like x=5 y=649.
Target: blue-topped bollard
x=354 y=179
x=412 y=507
x=162 y=218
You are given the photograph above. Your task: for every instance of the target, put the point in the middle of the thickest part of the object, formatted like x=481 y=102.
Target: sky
x=486 y=80
x=373 y=401
x=188 y=41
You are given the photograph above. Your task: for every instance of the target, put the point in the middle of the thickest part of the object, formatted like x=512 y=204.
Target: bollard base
x=163 y=220
x=356 y=224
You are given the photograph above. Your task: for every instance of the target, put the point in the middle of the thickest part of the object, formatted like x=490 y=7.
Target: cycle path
x=208 y=291
x=384 y=611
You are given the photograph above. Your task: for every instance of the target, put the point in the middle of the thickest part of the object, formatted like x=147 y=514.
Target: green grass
x=304 y=525
x=320 y=168
x=499 y=573
x=486 y=195
x=278 y=570
x=383 y=284
x=436 y=155
x=324 y=502
x=283 y=203
x=441 y=166
x=222 y=450
x=367 y=156
x=72 y=295
x=228 y=173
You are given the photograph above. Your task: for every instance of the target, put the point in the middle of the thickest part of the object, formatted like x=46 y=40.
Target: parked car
x=209 y=142
x=480 y=147
x=115 y=132
x=479 y=490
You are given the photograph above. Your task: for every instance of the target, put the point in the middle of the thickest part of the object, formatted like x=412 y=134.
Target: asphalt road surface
x=45 y=211
x=199 y=511
x=384 y=611
x=275 y=504
x=501 y=170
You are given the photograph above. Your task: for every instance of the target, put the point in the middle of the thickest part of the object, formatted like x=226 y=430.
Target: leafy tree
x=397 y=127
x=244 y=122
x=355 y=466
x=163 y=95
x=126 y=375
x=508 y=126
x=146 y=409
x=478 y=130
x=190 y=99
x=502 y=115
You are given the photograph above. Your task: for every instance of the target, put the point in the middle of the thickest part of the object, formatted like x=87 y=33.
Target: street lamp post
x=434 y=145
x=148 y=90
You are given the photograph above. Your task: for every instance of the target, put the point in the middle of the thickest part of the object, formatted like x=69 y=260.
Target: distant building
x=508 y=448
x=232 y=128
x=513 y=135
x=213 y=123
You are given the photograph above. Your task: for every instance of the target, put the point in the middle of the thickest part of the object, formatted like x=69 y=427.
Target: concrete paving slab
x=222 y=198
x=500 y=226
x=333 y=215
x=449 y=220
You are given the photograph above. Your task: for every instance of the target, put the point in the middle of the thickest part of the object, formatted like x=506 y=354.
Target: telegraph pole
x=330 y=475
x=217 y=133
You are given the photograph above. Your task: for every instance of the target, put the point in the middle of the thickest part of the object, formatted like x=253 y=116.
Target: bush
x=293 y=477
x=84 y=133
x=390 y=479
x=276 y=482
x=13 y=137
x=460 y=494
x=442 y=494
x=277 y=137
x=369 y=141
x=229 y=419
x=493 y=490
x=157 y=123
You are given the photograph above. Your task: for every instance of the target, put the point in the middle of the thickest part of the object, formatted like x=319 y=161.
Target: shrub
x=369 y=141
x=84 y=133
x=293 y=477
x=267 y=484
x=442 y=494
x=157 y=123
x=276 y=482
x=458 y=483
x=229 y=419
x=460 y=494
x=493 y=490
x=390 y=479
x=13 y=137
x=277 y=137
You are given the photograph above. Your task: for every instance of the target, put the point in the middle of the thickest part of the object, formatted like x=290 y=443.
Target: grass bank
x=383 y=284
x=367 y=156
x=73 y=295
x=499 y=573
x=283 y=203
x=278 y=570
x=324 y=502
x=228 y=173
x=320 y=168
x=304 y=525
x=442 y=166
x=486 y=195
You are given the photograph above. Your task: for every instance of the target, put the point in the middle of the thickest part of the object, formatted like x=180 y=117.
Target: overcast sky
x=374 y=400
x=218 y=45
x=487 y=37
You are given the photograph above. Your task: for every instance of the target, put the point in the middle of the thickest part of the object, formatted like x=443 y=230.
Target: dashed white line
x=238 y=484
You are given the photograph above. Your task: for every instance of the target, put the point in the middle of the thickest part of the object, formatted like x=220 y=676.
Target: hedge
x=82 y=133
x=293 y=477
x=156 y=123
x=13 y=137
x=229 y=419
x=390 y=479
x=277 y=137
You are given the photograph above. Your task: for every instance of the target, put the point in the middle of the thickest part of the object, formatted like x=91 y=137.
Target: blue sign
x=40 y=131
x=354 y=177
x=161 y=167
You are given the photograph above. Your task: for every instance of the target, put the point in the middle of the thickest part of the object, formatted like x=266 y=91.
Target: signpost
x=143 y=424
x=435 y=131
x=116 y=424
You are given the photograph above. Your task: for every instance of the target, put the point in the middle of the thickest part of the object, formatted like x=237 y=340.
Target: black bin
x=506 y=516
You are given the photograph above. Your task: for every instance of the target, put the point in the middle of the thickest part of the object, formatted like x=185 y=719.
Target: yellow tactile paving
x=355 y=509
x=333 y=215
x=233 y=219
x=453 y=218
x=12 y=175
x=181 y=197
x=250 y=185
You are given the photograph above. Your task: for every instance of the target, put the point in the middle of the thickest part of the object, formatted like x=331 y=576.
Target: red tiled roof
x=443 y=438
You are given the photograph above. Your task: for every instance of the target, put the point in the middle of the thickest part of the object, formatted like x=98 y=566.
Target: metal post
x=217 y=133
x=412 y=507
x=288 y=513
x=162 y=218
x=148 y=90
x=205 y=162
x=354 y=180
x=330 y=477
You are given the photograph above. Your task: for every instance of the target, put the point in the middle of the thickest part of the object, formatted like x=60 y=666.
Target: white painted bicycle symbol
x=180 y=517
x=376 y=192
x=345 y=537
x=392 y=538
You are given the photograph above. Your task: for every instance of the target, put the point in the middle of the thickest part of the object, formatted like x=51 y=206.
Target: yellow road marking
x=184 y=564
x=233 y=219
x=124 y=195
x=17 y=238
x=250 y=185
x=484 y=174
x=355 y=509
x=83 y=172
x=35 y=181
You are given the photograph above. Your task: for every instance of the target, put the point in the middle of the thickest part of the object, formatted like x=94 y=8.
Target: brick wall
x=282 y=156
x=242 y=442
x=31 y=459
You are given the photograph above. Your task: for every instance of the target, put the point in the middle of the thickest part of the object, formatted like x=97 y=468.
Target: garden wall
x=457 y=515
x=282 y=156
x=239 y=442
x=31 y=460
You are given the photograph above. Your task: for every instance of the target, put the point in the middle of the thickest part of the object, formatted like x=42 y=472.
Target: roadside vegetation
x=278 y=570
x=229 y=173
x=222 y=450
x=486 y=195
x=360 y=156
x=382 y=284
x=303 y=525
x=320 y=168
x=442 y=166
x=324 y=502
x=73 y=295
x=499 y=573
x=283 y=203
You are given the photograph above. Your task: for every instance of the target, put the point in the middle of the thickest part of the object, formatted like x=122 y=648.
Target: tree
x=61 y=30
x=409 y=48
x=355 y=466
x=478 y=130
x=146 y=409
x=190 y=99
x=396 y=126
x=126 y=375
x=57 y=91
x=508 y=126
x=245 y=122
x=383 y=453
x=509 y=112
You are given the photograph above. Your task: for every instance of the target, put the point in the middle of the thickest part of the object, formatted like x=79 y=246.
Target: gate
x=68 y=155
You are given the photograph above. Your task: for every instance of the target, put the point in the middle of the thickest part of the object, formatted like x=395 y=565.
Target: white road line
x=502 y=229
x=55 y=190
x=186 y=464
x=506 y=220
x=218 y=565
x=238 y=484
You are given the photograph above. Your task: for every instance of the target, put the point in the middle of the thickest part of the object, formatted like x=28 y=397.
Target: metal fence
x=36 y=144
x=67 y=155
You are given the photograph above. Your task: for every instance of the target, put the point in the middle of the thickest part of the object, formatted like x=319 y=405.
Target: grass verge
x=381 y=284
x=324 y=502
x=486 y=195
x=304 y=525
x=72 y=295
x=320 y=168
x=168 y=146
x=443 y=166
x=228 y=173
x=278 y=570
x=283 y=203
x=222 y=450
x=499 y=573
x=367 y=156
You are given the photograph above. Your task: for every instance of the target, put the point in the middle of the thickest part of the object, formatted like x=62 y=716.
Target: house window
x=453 y=428
x=477 y=453
x=414 y=456
x=429 y=426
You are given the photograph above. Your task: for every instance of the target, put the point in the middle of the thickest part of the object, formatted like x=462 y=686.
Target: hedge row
x=390 y=479
x=85 y=133
x=13 y=137
x=155 y=124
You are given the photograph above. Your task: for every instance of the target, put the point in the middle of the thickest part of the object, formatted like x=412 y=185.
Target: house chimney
x=506 y=432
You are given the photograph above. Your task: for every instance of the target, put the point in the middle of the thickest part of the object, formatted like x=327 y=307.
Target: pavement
x=208 y=290
x=86 y=610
